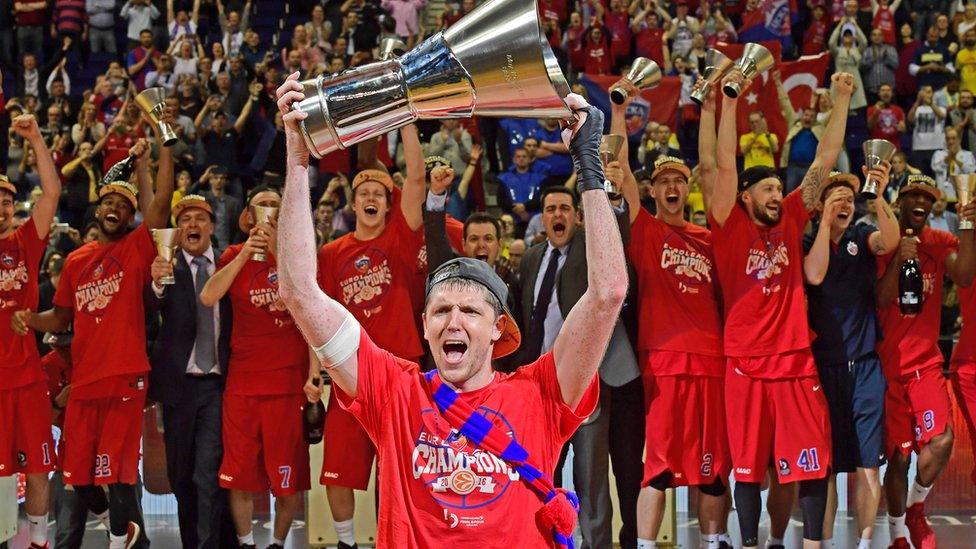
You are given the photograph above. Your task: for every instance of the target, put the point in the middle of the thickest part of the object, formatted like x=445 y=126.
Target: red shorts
x=964 y=384
x=26 y=445
x=685 y=417
x=782 y=423
x=105 y=434
x=264 y=445
x=917 y=409
x=348 y=452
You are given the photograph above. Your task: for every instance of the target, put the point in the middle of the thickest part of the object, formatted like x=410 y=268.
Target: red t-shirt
x=761 y=274
x=20 y=258
x=117 y=148
x=438 y=488
x=885 y=20
x=887 y=125
x=678 y=288
x=618 y=23
x=598 y=59
x=912 y=342
x=104 y=285
x=373 y=279
x=815 y=38
x=268 y=354
x=649 y=42
x=965 y=351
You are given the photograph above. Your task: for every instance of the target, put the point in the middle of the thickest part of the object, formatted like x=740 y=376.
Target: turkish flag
x=800 y=79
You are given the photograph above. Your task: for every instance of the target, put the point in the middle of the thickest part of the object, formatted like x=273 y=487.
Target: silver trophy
x=152 y=101
x=755 y=60
x=391 y=48
x=717 y=65
x=643 y=73
x=965 y=187
x=494 y=62
x=167 y=242
x=610 y=147
x=876 y=151
x=263 y=214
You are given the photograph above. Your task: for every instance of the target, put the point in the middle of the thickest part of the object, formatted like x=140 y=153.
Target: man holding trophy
x=25 y=426
x=101 y=294
x=776 y=412
x=189 y=367
x=262 y=424
x=408 y=414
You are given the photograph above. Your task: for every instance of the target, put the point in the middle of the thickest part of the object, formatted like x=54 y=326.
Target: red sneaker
x=918 y=528
x=900 y=543
x=132 y=535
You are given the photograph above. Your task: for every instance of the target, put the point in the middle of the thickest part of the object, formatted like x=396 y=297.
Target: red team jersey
x=675 y=266
x=438 y=488
x=911 y=342
x=104 y=285
x=270 y=356
x=762 y=285
x=20 y=256
x=373 y=278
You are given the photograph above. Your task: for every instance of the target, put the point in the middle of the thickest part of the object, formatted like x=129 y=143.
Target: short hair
x=260 y=189
x=558 y=189
x=143 y=31
x=455 y=283
x=57 y=265
x=481 y=217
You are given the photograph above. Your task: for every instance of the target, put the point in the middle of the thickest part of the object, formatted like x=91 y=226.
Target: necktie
x=537 y=325
x=204 y=344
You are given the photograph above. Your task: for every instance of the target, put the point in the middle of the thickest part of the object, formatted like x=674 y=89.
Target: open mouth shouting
x=843 y=215
x=371 y=210
x=559 y=229
x=454 y=351
x=672 y=199
x=918 y=215
x=193 y=237
x=481 y=256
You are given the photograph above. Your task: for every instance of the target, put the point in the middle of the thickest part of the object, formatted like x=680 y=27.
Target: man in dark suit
x=226 y=207
x=553 y=278
x=189 y=364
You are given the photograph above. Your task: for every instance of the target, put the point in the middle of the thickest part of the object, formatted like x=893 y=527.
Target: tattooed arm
x=885 y=239
x=831 y=141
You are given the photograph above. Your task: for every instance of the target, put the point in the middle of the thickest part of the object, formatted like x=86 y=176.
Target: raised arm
x=46 y=206
x=726 y=185
x=817 y=260
x=885 y=239
x=618 y=126
x=961 y=266
x=411 y=203
x=156 y=213
x=707 y=165
x=328 y=327
x=583 y=338
x=830 y=142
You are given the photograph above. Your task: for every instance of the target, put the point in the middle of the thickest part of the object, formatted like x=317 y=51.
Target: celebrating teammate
x=101 y=294
x=25 y=430
x=775 y=410
x=917 y=409
x=493 y=479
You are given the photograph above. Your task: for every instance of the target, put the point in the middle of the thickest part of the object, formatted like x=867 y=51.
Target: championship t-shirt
x=20 y=259
x=842 y=308
x=761 y=275
x=268 y=355
x=373 y=280
x=965 y=351
x=677 y=285
x=104 y=285
x=441 y=490
x=912 y=342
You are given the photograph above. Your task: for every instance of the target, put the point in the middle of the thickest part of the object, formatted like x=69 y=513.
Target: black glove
x=585 y=150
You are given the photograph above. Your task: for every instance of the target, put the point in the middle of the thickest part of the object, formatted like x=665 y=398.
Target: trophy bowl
x=167 y=243
x=755 y=60
x=643 y=73
x=717 y=65
x=876 y=151
x=965 y=185
x=152 y=101
x=263 y=214
x=610 y=147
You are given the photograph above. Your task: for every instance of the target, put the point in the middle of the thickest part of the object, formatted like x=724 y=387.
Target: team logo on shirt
x=852 y=247
x=13 y=277
x=768 y=257
x=686 y=261
x=99 y=284
x=365 y=281
x=263 y=294
x=458 y=474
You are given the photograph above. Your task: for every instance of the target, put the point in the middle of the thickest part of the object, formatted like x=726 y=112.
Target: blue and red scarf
x=561 y=506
